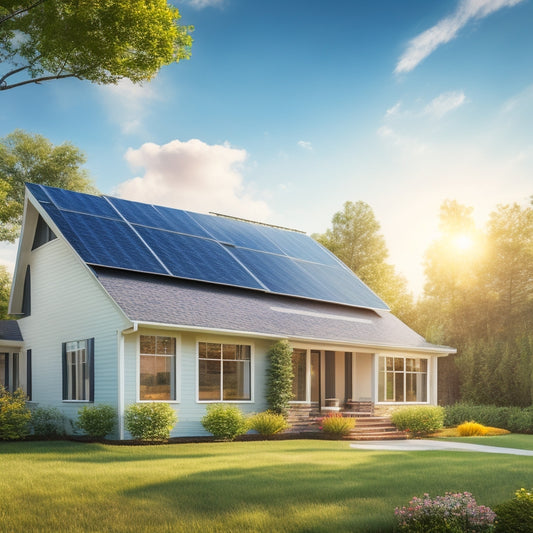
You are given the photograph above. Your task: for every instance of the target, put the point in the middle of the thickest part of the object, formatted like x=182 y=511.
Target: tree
x=102 y=41
x=5 y=288
x=279 y=377
x=355 y=238
x=25 y=157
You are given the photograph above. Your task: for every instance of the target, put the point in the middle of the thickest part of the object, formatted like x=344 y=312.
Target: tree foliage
x=102 y=41
x=479 y=299
x=355 y=238
x=279 y=377
x=25 y=157
x=5 y=289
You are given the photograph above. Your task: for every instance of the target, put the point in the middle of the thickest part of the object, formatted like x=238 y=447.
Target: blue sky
x=287 y=109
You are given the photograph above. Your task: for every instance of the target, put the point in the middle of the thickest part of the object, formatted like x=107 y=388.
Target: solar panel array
x=128 y=235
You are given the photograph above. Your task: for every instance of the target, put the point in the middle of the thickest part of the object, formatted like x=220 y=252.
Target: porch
x=306 y=419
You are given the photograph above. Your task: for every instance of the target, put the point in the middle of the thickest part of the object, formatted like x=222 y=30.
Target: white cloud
x=200 y=4
x=410 y=145
x=192 y=175
x=447 y=29
x=394 y=110
x=444 y=103
x=128 y=103
x=306 y=145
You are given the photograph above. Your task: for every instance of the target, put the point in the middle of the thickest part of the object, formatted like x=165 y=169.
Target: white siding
x=188 y=409
x=67 y=303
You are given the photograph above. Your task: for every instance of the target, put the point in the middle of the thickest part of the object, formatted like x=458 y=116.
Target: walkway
x=419 y=445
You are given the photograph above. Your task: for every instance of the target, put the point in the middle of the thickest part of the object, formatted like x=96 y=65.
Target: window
x=26 y=293
x=157 y=375
x=403 y=379
x=224 y=372
x=43 y=234
x=302 y=389
x=9 y=371
x=78 y=370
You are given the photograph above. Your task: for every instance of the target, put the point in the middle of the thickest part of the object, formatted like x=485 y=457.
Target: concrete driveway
x=426 y=444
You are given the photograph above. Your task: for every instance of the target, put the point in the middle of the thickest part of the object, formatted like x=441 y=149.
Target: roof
x=153 y=299
x=10 y=331
x=120 y=234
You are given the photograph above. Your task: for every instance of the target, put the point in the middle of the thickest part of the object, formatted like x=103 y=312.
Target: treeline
x=478 y=295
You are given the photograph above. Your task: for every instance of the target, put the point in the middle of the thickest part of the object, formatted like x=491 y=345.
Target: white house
x=122 y=302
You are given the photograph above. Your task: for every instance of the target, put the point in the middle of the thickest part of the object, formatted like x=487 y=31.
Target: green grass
x=241 y=486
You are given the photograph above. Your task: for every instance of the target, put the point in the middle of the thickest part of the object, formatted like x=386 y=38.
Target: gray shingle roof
x=157 y=299
x=10 y=331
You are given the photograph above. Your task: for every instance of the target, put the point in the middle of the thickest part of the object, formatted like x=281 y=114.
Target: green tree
x=102 y=41
x=5 y=288
x=25 y=157
x=355 y=238
x=279 y=377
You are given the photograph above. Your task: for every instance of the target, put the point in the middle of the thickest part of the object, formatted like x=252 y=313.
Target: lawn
x=296 y=485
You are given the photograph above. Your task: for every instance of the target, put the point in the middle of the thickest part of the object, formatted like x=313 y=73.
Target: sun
x=463 y=242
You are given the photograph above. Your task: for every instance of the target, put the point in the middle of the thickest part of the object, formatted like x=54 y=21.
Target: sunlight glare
x=463 y=242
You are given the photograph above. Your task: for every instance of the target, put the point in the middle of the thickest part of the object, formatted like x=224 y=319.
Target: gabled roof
x=10 y=331
x=156 y=300
x=135 y=237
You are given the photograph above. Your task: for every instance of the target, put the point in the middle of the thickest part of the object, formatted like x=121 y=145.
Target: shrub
x=516 y=515
x=48 y=422
x=14 y=415
x=472 y=429
x=336 y=425
x=419 y=420
x=224 y=421
x=268 y=423
x=450 y=513
x=150 y=421
x=279 y=378
x=515 y=419
x=97 y=420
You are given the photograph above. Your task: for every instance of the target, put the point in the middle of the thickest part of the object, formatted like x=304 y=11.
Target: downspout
x=121 y=377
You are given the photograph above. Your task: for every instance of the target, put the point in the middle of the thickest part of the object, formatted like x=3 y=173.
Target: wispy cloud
x=128 y=104
x=306 y=145
x=193 y=175
x=444 y=103
x=408 y=144
x=447 y=29
x=201 y=4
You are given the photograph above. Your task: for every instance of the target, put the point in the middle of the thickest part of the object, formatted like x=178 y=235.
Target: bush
x=150 y=421
x=48 y=422
x=279 y=378
x=224 y=421
x=336 y=425
x=14 y=415
x=268 y=423
x=419 y=420
x=450 y=513
x=515 y=419
x=472 y=429
x=97 y=420
x=516 y=515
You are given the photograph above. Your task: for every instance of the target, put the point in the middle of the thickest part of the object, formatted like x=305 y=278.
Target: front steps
x=305 y=419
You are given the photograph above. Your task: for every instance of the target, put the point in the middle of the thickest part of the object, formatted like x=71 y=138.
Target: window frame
x=177 y=367
x=66 y=375
x=251 y=376
x=405 y=373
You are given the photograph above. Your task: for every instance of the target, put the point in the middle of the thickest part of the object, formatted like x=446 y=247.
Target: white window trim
x=308 y=351
x=403 y=356
x=252 y=370
x=177 y=369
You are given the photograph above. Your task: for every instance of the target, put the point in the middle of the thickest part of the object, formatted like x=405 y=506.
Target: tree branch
x=5 y=87
x=20 y=11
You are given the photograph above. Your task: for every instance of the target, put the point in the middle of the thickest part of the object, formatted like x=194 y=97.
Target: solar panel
x=236 y=232
x=82 y=203
x=196 y=258
x=298 y=245
x=281 y=274
x=162 y=240
x=157 y=217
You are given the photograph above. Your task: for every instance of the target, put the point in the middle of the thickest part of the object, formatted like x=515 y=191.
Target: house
x=122 y=302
